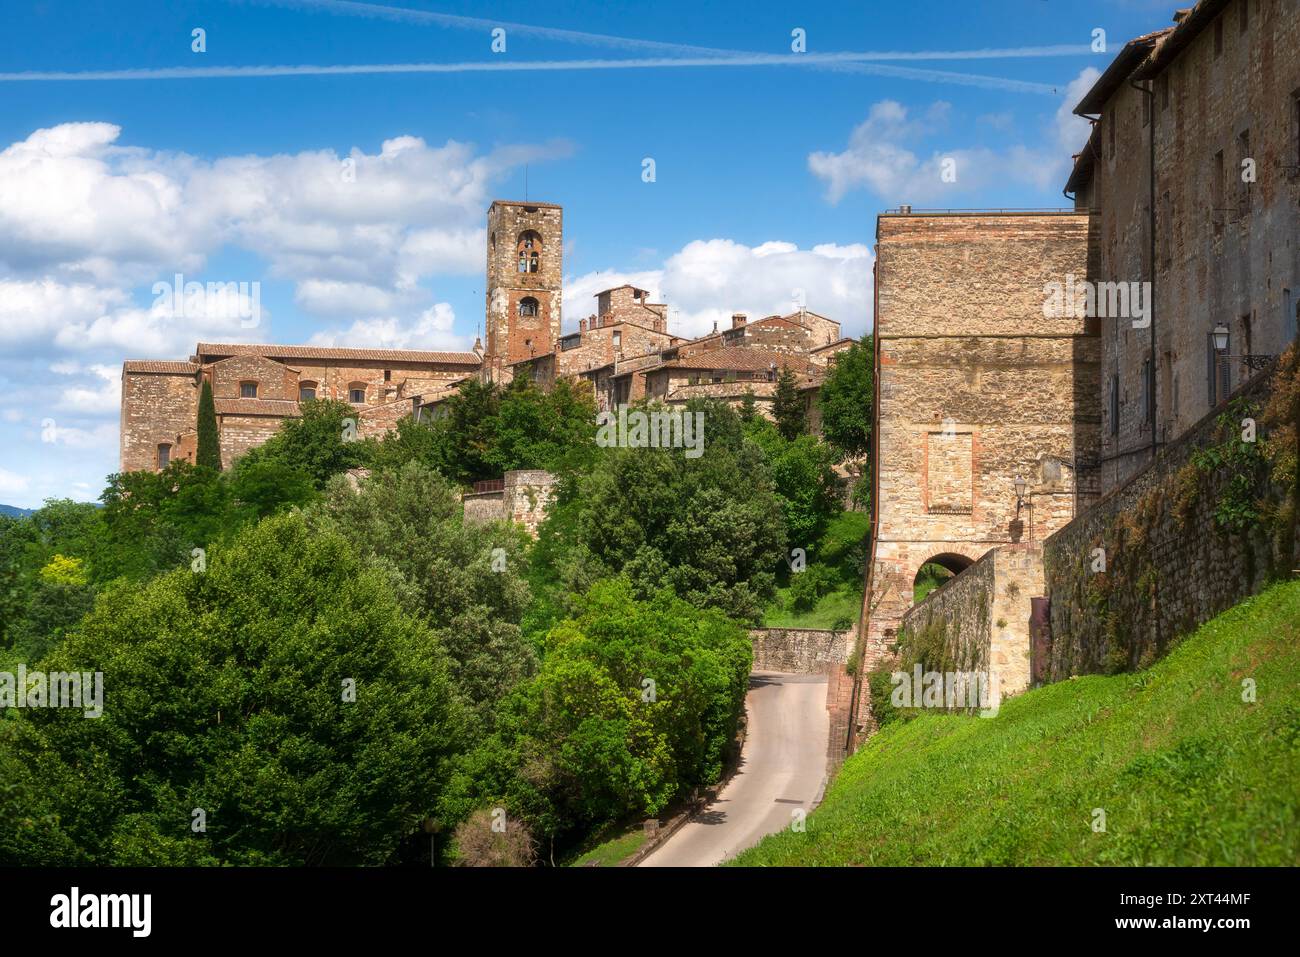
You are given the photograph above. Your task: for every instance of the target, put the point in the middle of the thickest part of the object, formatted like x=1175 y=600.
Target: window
x=618 y=339
x=306 y=391
x=248 y=390
x=357 y=394
x=1217 y=211
x=530 y=249
x=1218 y=36
x=164 y=455
x=1243 y=188
x=388 y=375
x=1114 y=405
x=1166 y=229
x=1148 y=391
x=528 y=307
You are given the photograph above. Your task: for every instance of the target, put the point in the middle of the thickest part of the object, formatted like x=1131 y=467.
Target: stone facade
x=976 y=388
x=804 y=651
x=257 y=387
x=1167 y=562
x=525 y=270
x=1221 y=92
x=523 y=498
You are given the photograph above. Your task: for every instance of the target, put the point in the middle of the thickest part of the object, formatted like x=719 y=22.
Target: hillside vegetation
x=1186 y=771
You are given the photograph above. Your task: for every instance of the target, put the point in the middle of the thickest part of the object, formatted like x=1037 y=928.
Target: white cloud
x=13 y=484
x=431 y=330
x=884 y=155
x=708 y=280
x=101 y=397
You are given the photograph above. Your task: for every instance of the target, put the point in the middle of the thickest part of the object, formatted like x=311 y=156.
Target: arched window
x=306 y=391
x=528 y=307
x=248 y=390
x=357 y=393
x=530 y=251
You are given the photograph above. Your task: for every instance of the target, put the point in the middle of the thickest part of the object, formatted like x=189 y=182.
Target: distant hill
x=15 y=511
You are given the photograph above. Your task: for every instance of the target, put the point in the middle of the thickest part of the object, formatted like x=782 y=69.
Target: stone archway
x=936 y=571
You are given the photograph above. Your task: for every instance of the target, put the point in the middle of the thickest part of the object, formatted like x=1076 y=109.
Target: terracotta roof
x=1175 y=39
x=734 y=357
x=276 y=407
x=1120 y=69
x=774 y=321
x=324 y=352
x=832 y=345
x=160 y=366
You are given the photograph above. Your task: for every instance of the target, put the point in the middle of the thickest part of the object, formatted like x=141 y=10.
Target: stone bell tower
x=524 y=283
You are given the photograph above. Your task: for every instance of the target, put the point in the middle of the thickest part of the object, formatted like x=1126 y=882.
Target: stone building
x=256 y=387
x=1211 y=106
x=977 y=388
x=525 y=271
x=624 y=350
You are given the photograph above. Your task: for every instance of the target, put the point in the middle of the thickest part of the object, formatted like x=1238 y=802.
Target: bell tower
x=524 y=282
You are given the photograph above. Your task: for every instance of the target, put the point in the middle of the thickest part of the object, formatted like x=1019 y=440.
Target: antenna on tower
x=525 y=182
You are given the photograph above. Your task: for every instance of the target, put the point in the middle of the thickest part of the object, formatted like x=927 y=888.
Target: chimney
x=738 y=319
x=905 y=209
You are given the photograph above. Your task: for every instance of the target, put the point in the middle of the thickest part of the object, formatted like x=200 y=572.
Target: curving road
x=783 y=768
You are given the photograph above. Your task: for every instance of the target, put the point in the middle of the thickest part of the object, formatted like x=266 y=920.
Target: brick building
x=624 y=350
x=1211 y=107
x=256 y=387
x=977 y=387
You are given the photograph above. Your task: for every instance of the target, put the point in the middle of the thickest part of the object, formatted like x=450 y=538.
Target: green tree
x=636 y=703
x=322 y=442
x=284 y=692
x=209 y=443
x=466 y=582
x=787 y=406
x=709 y=527
x=846 y=399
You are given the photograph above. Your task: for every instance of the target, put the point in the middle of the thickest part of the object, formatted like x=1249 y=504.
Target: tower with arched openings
x=524 y=272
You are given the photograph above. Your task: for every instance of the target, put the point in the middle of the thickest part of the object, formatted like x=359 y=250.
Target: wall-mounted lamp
x=1021 y=485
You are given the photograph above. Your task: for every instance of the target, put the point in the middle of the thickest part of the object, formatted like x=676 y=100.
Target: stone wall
x=977 y=386
x=157 y=406
x=524 y=499
x=805 y=651
x=1170 y=563
x=984 y=615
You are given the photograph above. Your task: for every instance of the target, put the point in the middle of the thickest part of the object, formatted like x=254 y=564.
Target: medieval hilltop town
x=1011 y=438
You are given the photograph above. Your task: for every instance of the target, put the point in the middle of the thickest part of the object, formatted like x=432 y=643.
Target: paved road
x=783 y=767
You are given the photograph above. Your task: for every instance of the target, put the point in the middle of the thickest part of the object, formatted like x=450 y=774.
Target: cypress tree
x=787 y=406
x=209 y=451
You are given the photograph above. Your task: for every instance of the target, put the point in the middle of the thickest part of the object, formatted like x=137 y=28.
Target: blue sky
x=768 y=172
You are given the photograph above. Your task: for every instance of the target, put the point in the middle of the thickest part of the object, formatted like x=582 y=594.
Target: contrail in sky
x=507 y=66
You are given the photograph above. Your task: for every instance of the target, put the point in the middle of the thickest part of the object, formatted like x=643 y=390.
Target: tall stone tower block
x=524 y=282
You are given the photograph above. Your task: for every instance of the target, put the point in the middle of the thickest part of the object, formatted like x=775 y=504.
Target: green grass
x=608 y=853
x=840 y=548
x=1186 y=772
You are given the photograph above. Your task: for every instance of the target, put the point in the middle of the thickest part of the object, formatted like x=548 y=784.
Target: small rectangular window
x=357 y=396
x=1114 y=405
x=306 y=393
x=248 y=390
x=1218 y=214
x=164 y=455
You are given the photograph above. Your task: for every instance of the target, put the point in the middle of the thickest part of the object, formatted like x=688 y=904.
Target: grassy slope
x=840 y=547
x=1187 y=773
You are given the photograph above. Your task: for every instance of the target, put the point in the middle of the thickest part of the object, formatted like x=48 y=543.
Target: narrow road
x=783 y=768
